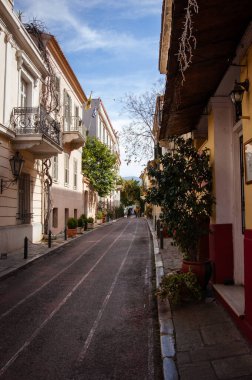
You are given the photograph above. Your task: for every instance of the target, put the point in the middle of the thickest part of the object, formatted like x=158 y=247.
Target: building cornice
x=60 y=58
x=165 y=35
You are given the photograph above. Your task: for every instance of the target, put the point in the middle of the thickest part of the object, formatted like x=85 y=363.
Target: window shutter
x=70 y=111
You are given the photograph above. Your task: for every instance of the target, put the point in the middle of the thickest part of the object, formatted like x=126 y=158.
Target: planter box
x=80 y=230
x=99 y=221
x=71 y=232
x=90 y=226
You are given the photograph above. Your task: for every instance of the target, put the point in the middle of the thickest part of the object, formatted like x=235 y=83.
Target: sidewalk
x=201 y=339
x=15 y=260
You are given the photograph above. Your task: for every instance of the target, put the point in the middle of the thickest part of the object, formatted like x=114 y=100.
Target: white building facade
x=99 y=125
x=41 y=104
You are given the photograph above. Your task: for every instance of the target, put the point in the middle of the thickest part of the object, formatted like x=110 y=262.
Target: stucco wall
x=246 y=73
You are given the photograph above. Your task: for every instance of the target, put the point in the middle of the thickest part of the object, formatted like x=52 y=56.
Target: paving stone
x=183 y=357
x=233 y=367
x=219 y=351
x=188 y=340
x=208 y=344
x=220 y=333
x=197 y=371
x=198 y=315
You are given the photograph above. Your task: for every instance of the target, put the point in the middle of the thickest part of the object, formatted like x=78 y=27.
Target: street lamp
x=16 y=164
x=236 y=96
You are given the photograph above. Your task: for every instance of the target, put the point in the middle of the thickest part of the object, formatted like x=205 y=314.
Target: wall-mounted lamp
x=16 y=164
x=236 y=96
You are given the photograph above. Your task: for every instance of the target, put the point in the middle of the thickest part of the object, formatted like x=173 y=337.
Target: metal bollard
x=25 y=247
x=65 y=233
x=50 y=239
x=158 y=228
x=155 y=224
x=161 y=237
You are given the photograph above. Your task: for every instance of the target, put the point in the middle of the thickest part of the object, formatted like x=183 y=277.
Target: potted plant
x=84 y=221
x=80 y=225
x=72 y=224
x=182 y=184
x=90 y=222
x=104 y=214
x=99 y=216
x=179 y=287
x=110 y=215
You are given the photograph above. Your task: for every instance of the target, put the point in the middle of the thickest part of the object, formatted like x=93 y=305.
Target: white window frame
x=66 y=169
x=55 y=168
x=75 y=174
x=23 y=93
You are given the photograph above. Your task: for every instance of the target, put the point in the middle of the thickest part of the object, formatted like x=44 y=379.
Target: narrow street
x=85 y=312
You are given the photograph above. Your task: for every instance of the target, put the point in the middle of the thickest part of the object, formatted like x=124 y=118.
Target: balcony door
x=23 y=94
x=67 y=111
x=24 y=199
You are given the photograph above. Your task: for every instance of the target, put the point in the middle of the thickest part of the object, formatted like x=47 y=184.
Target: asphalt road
x=85 y=312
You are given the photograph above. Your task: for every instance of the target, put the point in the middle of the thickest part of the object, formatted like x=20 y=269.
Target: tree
x=130 y=193
x=182 y=186
x=137 y=137
x=99 y=165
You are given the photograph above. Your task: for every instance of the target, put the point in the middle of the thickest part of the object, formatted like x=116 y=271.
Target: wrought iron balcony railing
x=35 y=120
x=73 y=124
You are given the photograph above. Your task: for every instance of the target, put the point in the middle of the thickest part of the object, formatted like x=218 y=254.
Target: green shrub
x=119 y=212
x=81 y=222
x=72 y=223
x=110 y=214
x=83 y=216
x=90 y=220
x=99 y=215
x=179 y=287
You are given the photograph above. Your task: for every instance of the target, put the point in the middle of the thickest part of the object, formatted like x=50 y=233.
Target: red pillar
x=221 y=252
x=248 y=274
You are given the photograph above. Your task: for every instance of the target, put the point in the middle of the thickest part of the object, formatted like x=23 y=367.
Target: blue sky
x=112 y=46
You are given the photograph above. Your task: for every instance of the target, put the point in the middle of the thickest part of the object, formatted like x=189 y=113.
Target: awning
x=218 y=28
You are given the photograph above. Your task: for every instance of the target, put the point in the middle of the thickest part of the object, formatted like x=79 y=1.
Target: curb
x=47 y=252
x=167 y=332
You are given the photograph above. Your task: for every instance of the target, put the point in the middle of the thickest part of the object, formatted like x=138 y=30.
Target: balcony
x=73 y=133
x=35 y=131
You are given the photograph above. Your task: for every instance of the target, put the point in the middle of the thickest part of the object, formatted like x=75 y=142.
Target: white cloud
x=74 y=30
x=85 y=29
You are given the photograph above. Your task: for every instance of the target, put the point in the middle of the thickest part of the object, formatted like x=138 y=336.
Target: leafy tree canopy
x=137 y=137
x=99 y=165
x=182 y=184
x=130 y=192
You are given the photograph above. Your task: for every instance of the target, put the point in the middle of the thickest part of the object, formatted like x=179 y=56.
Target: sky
x=111 y=45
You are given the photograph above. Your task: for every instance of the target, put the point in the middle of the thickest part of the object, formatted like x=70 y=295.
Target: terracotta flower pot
x=202 y=269
x=71 y=232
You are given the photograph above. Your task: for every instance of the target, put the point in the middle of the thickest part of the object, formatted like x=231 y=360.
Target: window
x=55 y=165
x=104 y=135
x=67 y=111
x=75 y=213
x=66 y=168
x=24 y=199
x=100 y=130
x=55 y=218
x=76 y=118
x=57 y=94
x=75 y=170
x=23 y=94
